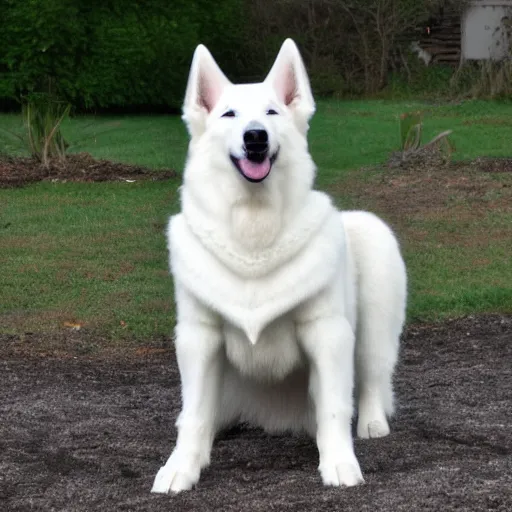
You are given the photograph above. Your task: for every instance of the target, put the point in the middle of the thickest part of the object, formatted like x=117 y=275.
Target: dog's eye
x=229 y=113
x=271 y=112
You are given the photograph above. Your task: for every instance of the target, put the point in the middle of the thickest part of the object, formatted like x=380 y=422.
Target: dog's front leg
x=198 y=350
x=329 y=345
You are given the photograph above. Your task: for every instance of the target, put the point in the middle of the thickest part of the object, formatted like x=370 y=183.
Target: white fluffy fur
x=285 y=305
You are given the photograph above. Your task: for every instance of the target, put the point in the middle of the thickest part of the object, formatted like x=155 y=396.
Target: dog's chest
x=254 y=293
x=275 y=354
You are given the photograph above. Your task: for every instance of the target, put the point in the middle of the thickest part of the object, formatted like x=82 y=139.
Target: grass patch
x=351 y=134
x=95 y=253
x=152 y=141
x=454 y=227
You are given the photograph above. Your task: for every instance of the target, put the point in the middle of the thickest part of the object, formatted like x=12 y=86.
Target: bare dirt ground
x=19 y=171
x=80 y=434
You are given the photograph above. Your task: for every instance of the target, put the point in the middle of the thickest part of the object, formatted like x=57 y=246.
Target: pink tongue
x=255 y=170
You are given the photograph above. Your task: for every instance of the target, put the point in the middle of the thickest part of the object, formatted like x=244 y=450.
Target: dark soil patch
x=84 y=434
x=494 y=164
x=18 y=172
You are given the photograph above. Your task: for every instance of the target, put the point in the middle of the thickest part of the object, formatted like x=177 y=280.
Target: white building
x=486 y=30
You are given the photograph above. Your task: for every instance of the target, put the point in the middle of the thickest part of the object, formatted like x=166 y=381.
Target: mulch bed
x=19 y=171
x=81 y=433
x=494 y=164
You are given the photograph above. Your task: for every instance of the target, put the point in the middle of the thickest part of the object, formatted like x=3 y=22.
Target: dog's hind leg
x=376 y=355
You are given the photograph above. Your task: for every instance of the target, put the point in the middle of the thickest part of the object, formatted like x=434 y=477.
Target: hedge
x=111 y=53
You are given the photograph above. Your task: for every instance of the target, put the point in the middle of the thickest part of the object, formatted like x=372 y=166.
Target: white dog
x=285 y=305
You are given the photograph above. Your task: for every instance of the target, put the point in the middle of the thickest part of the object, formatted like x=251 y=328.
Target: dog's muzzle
x=257 y=163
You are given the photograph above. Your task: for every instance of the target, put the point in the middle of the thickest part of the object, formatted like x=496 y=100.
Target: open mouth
x=254 y=167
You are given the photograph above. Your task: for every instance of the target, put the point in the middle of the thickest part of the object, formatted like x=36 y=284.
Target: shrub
x=42 y=116
x=484 y=79
x=410 y=130
x=416 y=80
x=113 y=53
x=412 y=153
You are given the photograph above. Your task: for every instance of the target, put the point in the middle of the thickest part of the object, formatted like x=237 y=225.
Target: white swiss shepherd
x=285 y=305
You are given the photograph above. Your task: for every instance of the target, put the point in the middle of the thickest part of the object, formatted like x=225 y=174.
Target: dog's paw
x=367 y=429
x=341 y=473
x=179 y=474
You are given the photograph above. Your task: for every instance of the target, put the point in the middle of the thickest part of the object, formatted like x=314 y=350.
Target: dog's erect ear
x=290 y=80
x=205 y=84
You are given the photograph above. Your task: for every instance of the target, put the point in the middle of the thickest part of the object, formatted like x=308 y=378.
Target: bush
x=42 y=116
x=38 y=39
x=133 y=53
x=113 y=53
x=420 y=81
x=413 y=153
x=484 y=79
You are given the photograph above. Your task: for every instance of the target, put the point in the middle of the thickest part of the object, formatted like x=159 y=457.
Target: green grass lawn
x=153 y=141
x=347 y=135
x=92 y=253
x=343 y=134
x=95 y=253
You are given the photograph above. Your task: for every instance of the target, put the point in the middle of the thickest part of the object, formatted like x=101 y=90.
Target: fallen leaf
x=75 y=326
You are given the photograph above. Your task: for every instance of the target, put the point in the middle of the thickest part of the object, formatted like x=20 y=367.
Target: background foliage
x=113 y=54
x=110 y=53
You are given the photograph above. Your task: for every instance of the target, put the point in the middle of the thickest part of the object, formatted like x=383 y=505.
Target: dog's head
x=250 y=122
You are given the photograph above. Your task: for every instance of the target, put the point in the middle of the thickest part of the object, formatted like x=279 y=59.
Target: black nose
x=256 y=142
